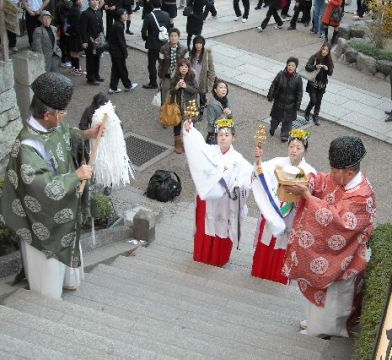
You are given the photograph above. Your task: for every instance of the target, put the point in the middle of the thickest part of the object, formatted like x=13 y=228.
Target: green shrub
x=370 y=50
x=8 y=242
x=101 y=210
x=377 y=277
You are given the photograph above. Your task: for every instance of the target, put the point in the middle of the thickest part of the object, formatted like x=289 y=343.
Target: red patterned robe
x=328 y=240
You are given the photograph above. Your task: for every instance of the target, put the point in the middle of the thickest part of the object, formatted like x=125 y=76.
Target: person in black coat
x=150 y=34
x=91 y=26
x=73 y=32
x=194 y=23
x=286 y=93
x=118 y=54
x=323 y=63
x=111 y=8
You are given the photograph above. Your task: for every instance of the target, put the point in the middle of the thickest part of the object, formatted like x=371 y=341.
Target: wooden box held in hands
x=284 y=180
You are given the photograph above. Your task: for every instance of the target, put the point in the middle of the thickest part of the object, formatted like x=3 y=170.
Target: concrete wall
x=16 y=76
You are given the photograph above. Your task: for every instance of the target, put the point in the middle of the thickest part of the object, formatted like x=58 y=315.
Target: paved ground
x=236 y=46
x=250 y=60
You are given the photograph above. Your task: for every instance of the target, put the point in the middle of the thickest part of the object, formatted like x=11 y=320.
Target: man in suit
x=91 y=26
x=118 y=54
x=44 y=42
x=150 y=33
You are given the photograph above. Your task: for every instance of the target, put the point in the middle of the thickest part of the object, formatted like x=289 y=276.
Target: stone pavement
x=343 y=104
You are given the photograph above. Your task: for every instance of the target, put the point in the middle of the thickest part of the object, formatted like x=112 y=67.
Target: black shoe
x=291 y=28
x=283 y=140
x=100 y=79
x=288 y=15
x=137 y=8
x=307 y=117
x=130 y=32
x=316 y=120
x=272 y=132
x=389 y=119
x=93 y=82
x=265 y=5
x=306 y=24
x=150 y=86
x=283 y=16
x=388 y=112
x=257 y=7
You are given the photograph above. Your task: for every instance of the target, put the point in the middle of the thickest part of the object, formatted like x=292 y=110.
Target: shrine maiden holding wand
x=222 y=178
x=277 y=216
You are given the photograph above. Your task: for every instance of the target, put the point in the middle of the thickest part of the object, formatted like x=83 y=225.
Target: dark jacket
x=90 y=24
x=164 y=58
x=322 y=76
x=150 y=29
x=111 y=3
x=287 y=95
x=116 y=40
x=194 y=23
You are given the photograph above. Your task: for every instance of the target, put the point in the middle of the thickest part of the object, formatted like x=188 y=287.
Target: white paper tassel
x=112 y=165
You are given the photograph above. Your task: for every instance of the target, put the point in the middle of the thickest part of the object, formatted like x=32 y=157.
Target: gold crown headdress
x=299 y=134
x=223 y=123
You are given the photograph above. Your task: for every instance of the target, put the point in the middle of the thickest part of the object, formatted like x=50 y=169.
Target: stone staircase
x=160 y=304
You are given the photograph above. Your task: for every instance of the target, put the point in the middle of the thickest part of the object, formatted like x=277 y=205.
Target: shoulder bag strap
x=156 y=21
x=178 y=179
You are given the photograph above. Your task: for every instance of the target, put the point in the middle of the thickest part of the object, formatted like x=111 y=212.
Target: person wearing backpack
x=222 y=178
x=150 y=34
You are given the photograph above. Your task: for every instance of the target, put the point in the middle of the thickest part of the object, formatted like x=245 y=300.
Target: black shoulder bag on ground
x=163 y=187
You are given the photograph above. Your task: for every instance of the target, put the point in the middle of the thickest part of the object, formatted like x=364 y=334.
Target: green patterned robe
x=44 y=209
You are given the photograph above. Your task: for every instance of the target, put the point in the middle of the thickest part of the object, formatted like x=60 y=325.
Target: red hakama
x=212 y=250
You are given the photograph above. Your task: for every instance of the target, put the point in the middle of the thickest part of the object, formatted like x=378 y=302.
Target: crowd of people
x=319 y=240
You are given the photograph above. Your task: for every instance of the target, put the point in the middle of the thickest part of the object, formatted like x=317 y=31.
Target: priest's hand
x=298 y=189
x=92 y=132
x=84 y=172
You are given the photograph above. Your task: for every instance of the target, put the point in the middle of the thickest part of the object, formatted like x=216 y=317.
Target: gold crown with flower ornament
x=299 y=134
x=223 y=123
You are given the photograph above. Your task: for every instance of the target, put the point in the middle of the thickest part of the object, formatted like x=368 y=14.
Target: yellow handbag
x=170 y=113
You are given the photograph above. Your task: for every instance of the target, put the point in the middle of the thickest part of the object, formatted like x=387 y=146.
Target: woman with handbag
x=218 y=108
x=286 y=93
x=323 y=63
x=332 y=17
x=202 y=63
x=183 y=88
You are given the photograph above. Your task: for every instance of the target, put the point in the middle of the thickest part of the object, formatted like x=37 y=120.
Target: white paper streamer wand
x=95 y=149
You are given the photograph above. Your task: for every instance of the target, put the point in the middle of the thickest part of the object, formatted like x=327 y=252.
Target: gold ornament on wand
x=260 y=135
x=191 y=111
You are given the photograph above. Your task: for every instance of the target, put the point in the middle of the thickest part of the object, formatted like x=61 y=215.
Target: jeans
x=319 y=8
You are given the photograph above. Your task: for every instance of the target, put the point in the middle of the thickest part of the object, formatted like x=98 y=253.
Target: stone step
x=254 y=319
x=279 y=301
x=75 y=342
x=159 y=261
x=86 y=320
x=12 y=348
x=166 y=322
x=211 y=294
x=230 y=341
